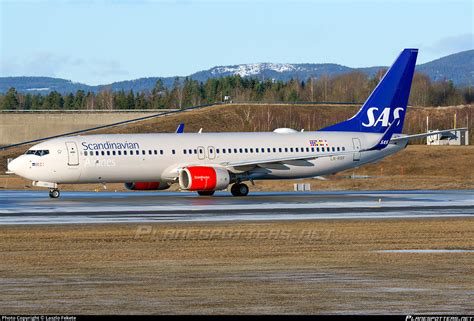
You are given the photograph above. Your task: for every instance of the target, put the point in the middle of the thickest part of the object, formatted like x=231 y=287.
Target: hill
x=458 y=68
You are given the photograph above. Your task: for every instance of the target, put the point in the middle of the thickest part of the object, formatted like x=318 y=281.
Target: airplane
x=209 y=162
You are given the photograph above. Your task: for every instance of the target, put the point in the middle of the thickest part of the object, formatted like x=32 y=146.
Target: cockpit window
x=40 y=152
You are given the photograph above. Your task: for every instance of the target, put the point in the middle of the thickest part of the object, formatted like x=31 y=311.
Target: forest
x=352 y=87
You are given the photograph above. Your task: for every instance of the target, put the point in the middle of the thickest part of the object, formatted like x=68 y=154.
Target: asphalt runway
x=35 y=207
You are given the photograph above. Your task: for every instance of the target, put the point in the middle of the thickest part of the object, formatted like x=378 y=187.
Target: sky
x=102 y=41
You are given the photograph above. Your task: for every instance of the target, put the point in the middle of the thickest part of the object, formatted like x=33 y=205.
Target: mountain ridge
x=458 y=67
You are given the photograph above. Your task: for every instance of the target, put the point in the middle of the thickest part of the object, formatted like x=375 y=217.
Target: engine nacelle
x=146 y=186
x=204 y=178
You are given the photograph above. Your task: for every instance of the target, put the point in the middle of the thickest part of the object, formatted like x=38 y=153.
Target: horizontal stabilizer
x=423 y=135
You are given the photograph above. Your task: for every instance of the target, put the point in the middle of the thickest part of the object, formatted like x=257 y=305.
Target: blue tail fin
x=387 y=102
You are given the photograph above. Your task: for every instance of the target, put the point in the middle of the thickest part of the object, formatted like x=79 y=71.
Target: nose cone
x=13 y=165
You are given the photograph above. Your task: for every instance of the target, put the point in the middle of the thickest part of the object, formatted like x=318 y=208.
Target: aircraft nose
x=13 y=165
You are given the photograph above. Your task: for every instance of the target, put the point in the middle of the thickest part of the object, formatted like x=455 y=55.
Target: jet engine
x=203 y=178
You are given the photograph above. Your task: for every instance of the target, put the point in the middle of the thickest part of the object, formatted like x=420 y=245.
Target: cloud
x=453 y=44
x=40 y=64
x=63 y=66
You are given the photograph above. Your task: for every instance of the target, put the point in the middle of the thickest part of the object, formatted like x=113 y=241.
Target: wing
x=282 y=160
x=381 y=144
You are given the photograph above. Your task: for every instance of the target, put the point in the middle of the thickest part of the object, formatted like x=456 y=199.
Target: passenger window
x=195 y=151
x=85 y=153
x=184 y=151
x=103 y=153
x=251 y=150
x=333 y=149
x=338 y=149
x=155 y=152
x=161 y=152
x=217 y=151
x=240 y=150
x=125 y=153
x=256 y=150
x=246 y=150
x=223 y=150
x=143 y=152
x=173 y=151
x=113 y=152
x=119 y=152
x=297 y=149
x=150 y=152
x=286 y=149
x=307 y=149
x=343 y=148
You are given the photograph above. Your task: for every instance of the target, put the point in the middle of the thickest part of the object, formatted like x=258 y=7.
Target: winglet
x=385 y=140
x=180 y=129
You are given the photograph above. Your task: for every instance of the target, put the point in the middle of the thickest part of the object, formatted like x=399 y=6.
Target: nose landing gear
x=239 y=189
x=54 y=193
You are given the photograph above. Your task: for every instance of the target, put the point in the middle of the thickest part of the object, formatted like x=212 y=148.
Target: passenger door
x=72 y=154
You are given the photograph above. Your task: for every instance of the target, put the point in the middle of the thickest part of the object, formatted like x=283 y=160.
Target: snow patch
x=246 y=70
x=38 y=89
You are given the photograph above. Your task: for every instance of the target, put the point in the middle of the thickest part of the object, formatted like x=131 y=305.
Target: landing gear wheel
x=239 y=189
x=54 y=193
x=206 y=193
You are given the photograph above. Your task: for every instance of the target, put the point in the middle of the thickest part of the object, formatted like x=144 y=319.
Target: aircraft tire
x=206 y=193
x=54 y=193
x=239 y=189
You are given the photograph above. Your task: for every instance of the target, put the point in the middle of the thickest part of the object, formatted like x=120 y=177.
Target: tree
x=177 y=93
x=10 y=102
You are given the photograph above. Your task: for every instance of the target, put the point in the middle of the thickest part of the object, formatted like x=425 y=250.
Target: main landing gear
x=239 y=189
x=54 y=193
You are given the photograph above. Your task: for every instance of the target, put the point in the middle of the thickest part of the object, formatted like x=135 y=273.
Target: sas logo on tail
x=383 y=118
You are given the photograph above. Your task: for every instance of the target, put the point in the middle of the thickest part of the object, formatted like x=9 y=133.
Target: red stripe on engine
x=146 y=185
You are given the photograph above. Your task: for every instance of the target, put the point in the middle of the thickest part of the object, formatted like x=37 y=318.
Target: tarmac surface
x=35 y=207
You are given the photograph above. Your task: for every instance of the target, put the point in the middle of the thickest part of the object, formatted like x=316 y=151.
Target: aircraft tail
x=387 y=102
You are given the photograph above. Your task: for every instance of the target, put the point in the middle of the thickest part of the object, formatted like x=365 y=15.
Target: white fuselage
x=160 y=157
